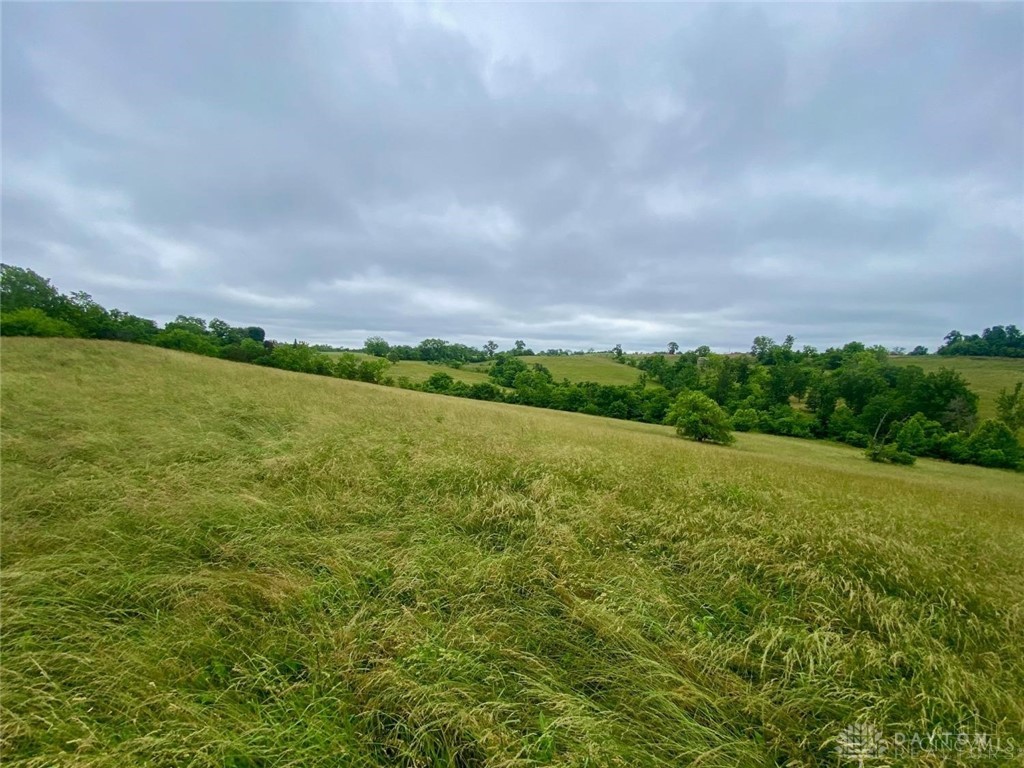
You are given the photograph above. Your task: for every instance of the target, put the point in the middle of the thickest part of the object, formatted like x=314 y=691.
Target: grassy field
x=418 y=371
x=598 y=368
x=985 y=375
x=206 y=563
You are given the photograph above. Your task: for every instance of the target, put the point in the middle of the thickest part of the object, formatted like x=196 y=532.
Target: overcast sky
x=572 y=175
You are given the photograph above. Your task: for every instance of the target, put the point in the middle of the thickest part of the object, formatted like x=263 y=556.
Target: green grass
x=985 y=375
x=418 y=371
x=601 y=369
x=212 y=564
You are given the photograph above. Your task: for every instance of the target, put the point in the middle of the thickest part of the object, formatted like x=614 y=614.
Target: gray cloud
x=575 y=176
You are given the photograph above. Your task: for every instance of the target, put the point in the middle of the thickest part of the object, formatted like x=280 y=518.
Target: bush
x=698 y=417
x=34 y=322
x=746 y=420
x=994 y=445
x=890 y=454
x=856 y=439
x=186 y=341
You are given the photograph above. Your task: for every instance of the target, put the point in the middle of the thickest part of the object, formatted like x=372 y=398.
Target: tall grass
x=214 y=564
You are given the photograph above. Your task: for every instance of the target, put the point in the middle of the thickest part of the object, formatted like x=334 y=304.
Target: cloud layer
x=571 y=175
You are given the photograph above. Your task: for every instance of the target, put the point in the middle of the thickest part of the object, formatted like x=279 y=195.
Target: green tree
x=993 y=445
x=698 y=417
x=672 y=347
x=22 y=288
x=1010 y=406
x=491 y=347
x=376 y=346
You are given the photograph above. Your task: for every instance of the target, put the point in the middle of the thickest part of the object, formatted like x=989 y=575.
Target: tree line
x=851 y=394
x=997 y=341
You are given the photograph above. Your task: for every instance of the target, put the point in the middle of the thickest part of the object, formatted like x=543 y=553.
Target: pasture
x=215 y=564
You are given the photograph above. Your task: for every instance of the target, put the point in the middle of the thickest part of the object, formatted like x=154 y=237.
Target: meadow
x=596 y=367
x=985 y=375
x=217 y=564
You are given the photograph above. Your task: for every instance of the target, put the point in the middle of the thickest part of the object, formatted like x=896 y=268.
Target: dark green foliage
x=698 y=417
x=375 y=345
x=505 y=368
x=1010 y=407
x=997 y=341
x=185 y=340
x=23 y=289
x=994 y=445
x=746 y=420
x=889 y=454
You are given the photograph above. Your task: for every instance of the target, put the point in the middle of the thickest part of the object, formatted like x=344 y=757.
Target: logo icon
x=860 y=742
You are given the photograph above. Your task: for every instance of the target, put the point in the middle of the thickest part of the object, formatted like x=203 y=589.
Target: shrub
x=993 y=444
x=31 y=321
x=890 y=454
x=746 y=419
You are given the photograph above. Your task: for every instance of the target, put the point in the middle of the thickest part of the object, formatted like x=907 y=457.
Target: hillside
x=216 y=564
x=985 y=375
x=598 y=368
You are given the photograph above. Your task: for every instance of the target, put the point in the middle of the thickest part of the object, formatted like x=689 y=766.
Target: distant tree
x=433 y=349
x=256 y=333
x=762 y=348
x=1010 y=406
x=698 y=417
x=617 y=351
x=185 y=340
x=22 y=288
x=439 y=382
x=898 y=351
x=394 y=356
x=918 y=351
x=672 y=347
x=505 y=368
x=376 y=346
x=189 y=324
x=490 y=348
x=519 y=347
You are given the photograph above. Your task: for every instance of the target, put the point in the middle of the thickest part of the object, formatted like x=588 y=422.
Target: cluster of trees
x=997 y=341
x=851 y=394
x=441 y=351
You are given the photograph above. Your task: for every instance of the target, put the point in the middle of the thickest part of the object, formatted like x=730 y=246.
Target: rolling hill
x=214 y=564
x=985 y=375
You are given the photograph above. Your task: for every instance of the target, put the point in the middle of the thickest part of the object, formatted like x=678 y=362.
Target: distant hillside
x=214 y=564
x=985 y=375
x=599 y=368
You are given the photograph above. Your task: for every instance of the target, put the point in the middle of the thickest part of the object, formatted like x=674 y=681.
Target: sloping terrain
x=598 y=368
x=986 y=376
x=208 y=563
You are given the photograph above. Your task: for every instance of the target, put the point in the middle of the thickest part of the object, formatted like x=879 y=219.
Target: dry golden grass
x=206 y=563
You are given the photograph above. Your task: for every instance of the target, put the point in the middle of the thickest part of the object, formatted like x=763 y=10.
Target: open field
x=985 y=375
x=601 y=369
x=418 y=371
x=214 y=564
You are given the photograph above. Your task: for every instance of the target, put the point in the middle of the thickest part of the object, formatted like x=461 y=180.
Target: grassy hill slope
x=601 y=369
x=985 y=375
x=215 y=564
